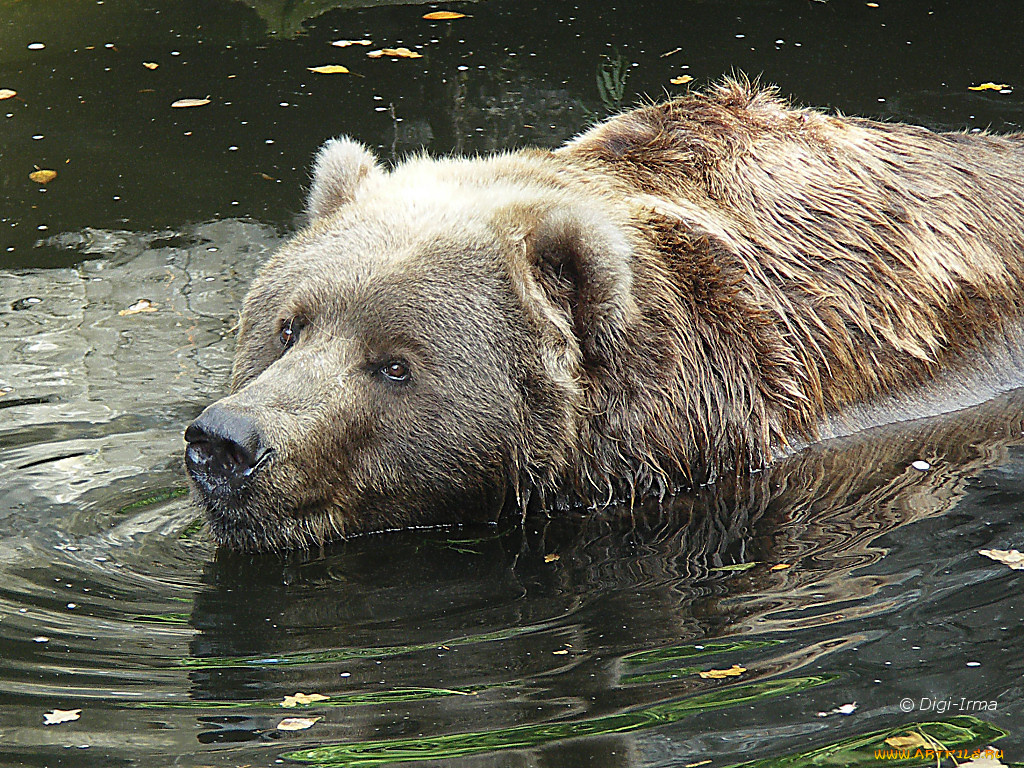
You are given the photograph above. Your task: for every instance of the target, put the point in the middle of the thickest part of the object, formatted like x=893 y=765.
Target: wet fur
x=688 y=289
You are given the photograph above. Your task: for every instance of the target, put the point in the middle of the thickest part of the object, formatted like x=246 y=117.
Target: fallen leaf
x=681 y=80
x=443 y=15
x=42 y=176
x=329 y=69
x=150 y=64
x=911 y=741
x=669 y=53
x=921 y=465
x=846 y=709
x=990 y=87
x=347 y=43
x=297 y=723
x=562 y=652
x=1010 y=557
x=398 y=53
x=736 y=567
x=140 y=306
x=695 y=765
x=303 y=698
x=7 y=93
x=190 y=103
x=551 y=558
x=781 y=566
x=61 y=716
x=720 y=674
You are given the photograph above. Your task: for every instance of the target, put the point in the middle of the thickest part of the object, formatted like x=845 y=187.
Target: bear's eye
x=290 y=330
x=395 y=370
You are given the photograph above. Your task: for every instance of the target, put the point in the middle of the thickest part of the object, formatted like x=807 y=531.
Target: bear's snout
x=224 y=448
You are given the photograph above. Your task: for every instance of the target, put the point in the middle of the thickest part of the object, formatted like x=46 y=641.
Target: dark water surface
x=568 y=642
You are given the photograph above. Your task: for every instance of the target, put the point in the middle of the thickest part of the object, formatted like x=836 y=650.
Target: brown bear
x=691 y=288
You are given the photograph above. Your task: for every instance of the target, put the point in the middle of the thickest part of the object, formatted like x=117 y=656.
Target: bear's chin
x=249 y=528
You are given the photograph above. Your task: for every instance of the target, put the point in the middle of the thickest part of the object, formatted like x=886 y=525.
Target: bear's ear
x=585 y=266
x=340 y=167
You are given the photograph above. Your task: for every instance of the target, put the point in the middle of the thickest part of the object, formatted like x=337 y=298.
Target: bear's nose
x=223 y=444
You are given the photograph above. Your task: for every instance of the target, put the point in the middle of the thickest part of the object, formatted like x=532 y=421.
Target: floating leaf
x=329 y=69
x=681 y=80
x=695 y=765
x=150 y=64
x=398 y=53
x=720 y=674
x=562 y=652
x=1010 y=557
x=7 y=93
x=987 y=758
x=43 y=176
x=297 y=723
x=846 y=709
x=190 y=103
x=552 y=558
x=1002 y=87
x=303 y=699
x=669 y=53
x=140 y=306
x=736 y=567
x=347 y=43
x=911 y=740
x=780 y=566
x=61 y=716
x=443 y=15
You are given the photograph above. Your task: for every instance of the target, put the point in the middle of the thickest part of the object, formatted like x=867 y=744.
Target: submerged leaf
x=720 y=674
x=912 y=740
x=43 y=176
x=329 y=69
x=443 y=15
x=398 y=53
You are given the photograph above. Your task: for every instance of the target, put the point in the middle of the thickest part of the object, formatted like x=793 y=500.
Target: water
x=567 y=642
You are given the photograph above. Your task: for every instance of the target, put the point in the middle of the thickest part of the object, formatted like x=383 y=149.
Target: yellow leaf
x=681 y=80
x=347 y=43
x=7 y=93
x=551 y=558
x=329 y=69
x=910 y=741
x=303 y=698
x=1010 y=557
x=990 y=87
x=694 y=765
x=297 y=723
x=719 y=674
x=190 y=103
x=781 y=567
x=398 y=53
x=150 y=64
x=140 y=306
x=61 y=716
x=443 y=15
x=562 y=652
x=43 y=176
